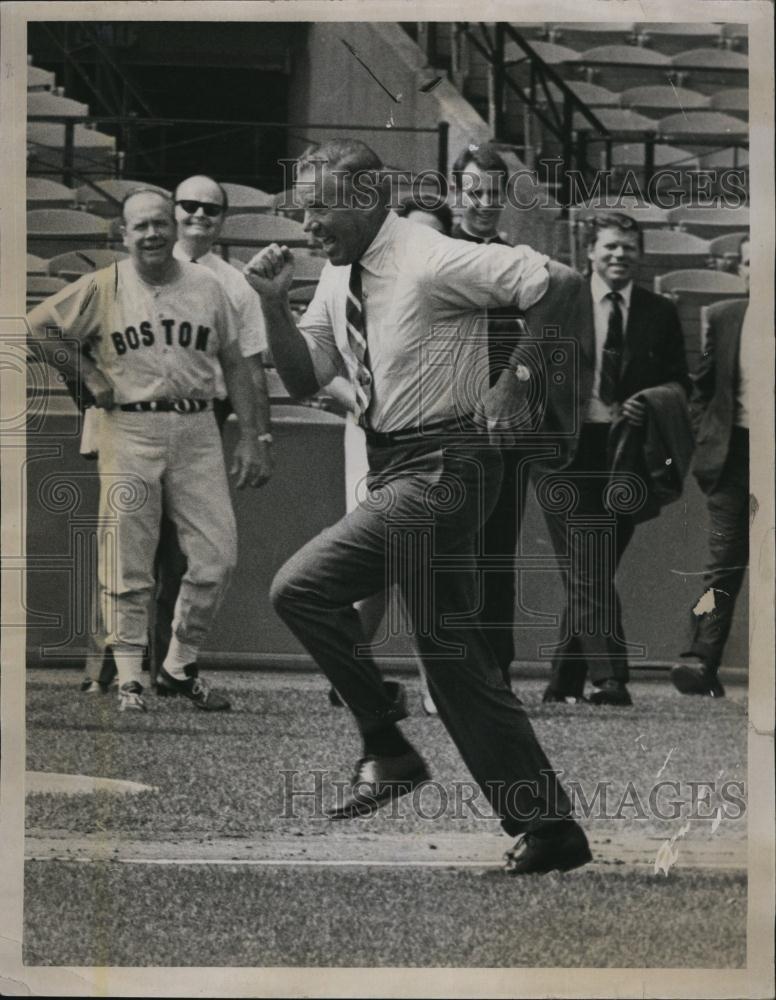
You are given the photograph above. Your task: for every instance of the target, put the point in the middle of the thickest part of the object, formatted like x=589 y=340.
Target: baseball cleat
x=193 y=688
x=131 y=698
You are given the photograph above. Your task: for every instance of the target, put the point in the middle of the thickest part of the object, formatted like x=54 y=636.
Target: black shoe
x=544 y=850
x=193 y=688
x=551 y=695
x=378 y=780
x=690 y=679
x=611 y=692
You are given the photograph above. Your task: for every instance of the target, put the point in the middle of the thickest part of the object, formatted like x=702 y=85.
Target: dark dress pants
x=592 y=539
x=728 y=506
x=418 y=527
x=499 y=538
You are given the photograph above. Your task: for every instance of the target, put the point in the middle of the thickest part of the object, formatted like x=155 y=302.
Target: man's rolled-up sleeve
x=317 y=328
x=472 y=276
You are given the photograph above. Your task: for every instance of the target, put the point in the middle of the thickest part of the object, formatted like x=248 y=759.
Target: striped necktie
x=354 y=318
x=611 y=359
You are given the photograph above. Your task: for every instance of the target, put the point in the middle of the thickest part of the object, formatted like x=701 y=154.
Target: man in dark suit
x=480 y=177
x=720 y=408
x=630 y=340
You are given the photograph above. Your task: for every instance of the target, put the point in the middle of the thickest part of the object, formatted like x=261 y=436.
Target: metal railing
x=127 y=130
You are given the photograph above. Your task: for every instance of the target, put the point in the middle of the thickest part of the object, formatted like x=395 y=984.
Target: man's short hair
x=347 y=156
x=206 y=177
x=441 y=211
x=348 y=159
x=485 y=157
x=147 y=190
x=612 y=220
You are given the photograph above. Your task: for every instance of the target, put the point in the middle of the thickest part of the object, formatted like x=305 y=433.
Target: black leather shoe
x=547 y=849
x=611 y=692
x=551 y=695
x=696 y=680
x=378 y=780
x=193 y=688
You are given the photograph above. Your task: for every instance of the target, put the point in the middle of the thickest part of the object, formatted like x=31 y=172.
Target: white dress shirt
x=598 y=412
x=425 y=298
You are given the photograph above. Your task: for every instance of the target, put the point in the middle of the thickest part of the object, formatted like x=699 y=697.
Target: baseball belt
x=168 y=406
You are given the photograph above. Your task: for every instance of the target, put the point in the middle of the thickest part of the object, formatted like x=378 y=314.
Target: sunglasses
x=208 y=207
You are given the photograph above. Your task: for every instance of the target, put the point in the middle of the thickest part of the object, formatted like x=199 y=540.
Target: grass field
x=223 y=780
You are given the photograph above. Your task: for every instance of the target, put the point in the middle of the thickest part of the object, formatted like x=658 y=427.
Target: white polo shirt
x=247 y=304
x=425 y=298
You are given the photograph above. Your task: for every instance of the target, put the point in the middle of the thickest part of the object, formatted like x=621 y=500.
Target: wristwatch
x=265 y=438
x=521 y=373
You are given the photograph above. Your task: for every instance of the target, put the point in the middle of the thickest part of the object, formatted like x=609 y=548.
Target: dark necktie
x=612 y=354
x=360 y=375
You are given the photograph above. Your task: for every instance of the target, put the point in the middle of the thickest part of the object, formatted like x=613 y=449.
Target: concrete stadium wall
x=328 y=85
x=658 y=581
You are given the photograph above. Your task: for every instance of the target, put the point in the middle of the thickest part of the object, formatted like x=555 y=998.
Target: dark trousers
x=499 y=538
x=728 y=506
x=418 y=528
x=590 y=539
x=169 y=569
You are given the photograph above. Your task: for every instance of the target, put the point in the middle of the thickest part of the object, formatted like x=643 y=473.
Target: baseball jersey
x=425 y=298
x=150 y=342
x=247 y=304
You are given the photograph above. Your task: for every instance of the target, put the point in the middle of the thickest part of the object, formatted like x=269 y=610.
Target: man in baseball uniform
x=164 y=342
x=201 y=205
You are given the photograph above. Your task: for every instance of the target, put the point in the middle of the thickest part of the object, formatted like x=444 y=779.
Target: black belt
x=168 y=406
x=384 y=439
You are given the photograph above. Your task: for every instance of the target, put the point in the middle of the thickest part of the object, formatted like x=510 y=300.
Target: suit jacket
x=653 y=352
x=659 y=451
x=713 y=395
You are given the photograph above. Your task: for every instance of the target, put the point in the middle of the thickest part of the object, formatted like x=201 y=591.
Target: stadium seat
x=630 y=157
x=724 y=250
x=707 y=70
x=248 y=199
x=93 y=151
x=592 y=95
x=45 y=193
x=732 y=156
x=36 y=265
x=703 y=123
x=736 y=36
x=621 y=67
x=76 y=262
x=709 y=222
x=668 y=250
x=51 y=231
x=553 y=55
x=691 y=290
x=617 y=120
x=671 y=37
x=39 y=79
x=733 y=100
x=46 y=103
x=582 y=35
x=40 y=286
x=115 y=190
x=659 y=101
x=264 y=229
